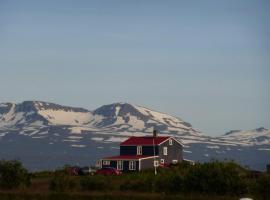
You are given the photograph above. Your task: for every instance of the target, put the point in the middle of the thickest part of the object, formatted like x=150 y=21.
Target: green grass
x=107 y=196
x=213 y=181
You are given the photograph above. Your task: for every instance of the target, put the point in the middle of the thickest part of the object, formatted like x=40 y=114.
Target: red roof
x=127 y=157
x=144 y=140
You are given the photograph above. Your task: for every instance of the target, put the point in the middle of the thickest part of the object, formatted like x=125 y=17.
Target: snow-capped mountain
x=259 y=136
x=127 y=117
x=46 y=113
x=46 y=135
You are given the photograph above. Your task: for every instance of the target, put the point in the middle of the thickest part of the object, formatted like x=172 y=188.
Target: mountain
x=259 y=136
x=47 y=135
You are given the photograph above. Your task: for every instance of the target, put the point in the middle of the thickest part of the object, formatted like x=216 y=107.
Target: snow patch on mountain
x=40 y=124
x=257 y=136
x=61 y=117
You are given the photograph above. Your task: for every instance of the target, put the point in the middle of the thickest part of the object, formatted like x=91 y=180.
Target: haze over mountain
x=47 y=135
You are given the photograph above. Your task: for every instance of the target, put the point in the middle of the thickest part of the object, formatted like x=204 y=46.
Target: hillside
x=46 y=135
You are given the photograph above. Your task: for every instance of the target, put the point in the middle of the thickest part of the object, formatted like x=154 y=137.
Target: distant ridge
x=38 y=132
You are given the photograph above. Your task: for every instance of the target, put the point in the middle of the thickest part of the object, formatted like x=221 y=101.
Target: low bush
x=13 y=175
x=140 y=182
x=90 y=183
x=62 y=182
x=170 y=184
x=262 y=187
x=216 y=178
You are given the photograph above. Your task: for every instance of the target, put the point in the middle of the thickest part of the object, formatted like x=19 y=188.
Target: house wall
x=147 y=163
x=113 y=163
x=175 y=152
x=132 y=150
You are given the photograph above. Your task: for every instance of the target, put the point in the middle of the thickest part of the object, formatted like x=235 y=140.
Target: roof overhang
x=173 y=138
x=179 y=142
x=127 y=158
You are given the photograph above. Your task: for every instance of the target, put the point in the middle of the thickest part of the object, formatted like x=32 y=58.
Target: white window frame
x=162 y=161
x=119 y=165
x=106 y=162
x=139 y=150
x=174 y=161
x=170 y=142
x=98 y=164
x=156 y=163
x=165 y=151
x=132 y=165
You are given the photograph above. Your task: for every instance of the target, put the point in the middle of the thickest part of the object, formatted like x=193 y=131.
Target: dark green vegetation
x=13 y=175
x=214 y=180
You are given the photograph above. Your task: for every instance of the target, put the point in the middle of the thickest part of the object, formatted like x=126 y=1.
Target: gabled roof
x=128 y=157
x=144 y=140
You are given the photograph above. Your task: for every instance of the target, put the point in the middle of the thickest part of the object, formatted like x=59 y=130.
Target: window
x=174 y=161
x=106 y=162
x=156 y=163
x=119 y=165
x=165 y=151
x=162 y=161
x=139 y=150
x=170 y=141
x=98 y=164
x=132 y=165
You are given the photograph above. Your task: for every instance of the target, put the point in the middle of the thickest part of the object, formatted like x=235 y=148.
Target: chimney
x=154 y=133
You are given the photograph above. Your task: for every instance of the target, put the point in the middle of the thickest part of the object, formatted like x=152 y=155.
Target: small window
x=139 y=150
x=165 y=151
x=132 y=165
x=119 y=165
x=156 y=163
x=170 y=141
x=174 y=161
x=106 y=162
x=162 y=161
x=98 y=164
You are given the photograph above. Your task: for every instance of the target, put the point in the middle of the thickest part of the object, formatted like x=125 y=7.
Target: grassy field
x=22 y=195
x=213 y=181
x=40 y=190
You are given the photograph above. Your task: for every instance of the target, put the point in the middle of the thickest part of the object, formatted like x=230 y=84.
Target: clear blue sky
x=207 y=62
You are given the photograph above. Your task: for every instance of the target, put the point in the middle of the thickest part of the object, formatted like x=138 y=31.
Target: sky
x=207 y=62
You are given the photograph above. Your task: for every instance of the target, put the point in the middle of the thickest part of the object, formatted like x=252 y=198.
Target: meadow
x=214 y=180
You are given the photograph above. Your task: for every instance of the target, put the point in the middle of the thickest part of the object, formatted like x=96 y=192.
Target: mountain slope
x=126 y=117
x=259 y=136
x=46 y=135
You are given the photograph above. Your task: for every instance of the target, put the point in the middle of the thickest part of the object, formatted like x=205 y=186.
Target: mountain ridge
x=67 y=129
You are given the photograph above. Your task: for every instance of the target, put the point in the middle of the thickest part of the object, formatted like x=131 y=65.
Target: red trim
x=126 y=157
x=143 y=141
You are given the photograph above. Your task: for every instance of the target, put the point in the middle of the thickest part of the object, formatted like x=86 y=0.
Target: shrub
x=95 y=183
x=61 y=182
x=217 y=178
x=140 y=182
x=13 y=175
x=171 y=183
x=262 y=187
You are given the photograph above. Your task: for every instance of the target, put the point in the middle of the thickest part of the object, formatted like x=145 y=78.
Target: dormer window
x=139 y=150
x=170 y=142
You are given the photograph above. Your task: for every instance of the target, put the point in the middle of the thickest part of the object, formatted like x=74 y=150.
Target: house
x=139 y=153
